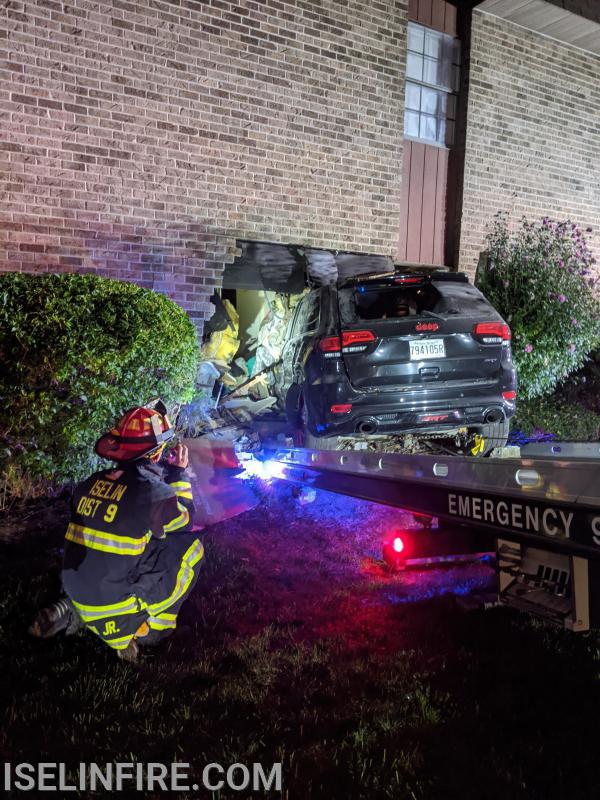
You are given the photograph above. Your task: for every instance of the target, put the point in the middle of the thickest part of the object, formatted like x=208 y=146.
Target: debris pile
x=237 y=379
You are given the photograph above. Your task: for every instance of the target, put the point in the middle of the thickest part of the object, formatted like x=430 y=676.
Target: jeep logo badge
x=427 y=326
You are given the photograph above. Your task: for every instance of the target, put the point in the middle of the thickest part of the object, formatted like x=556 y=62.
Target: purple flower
x=561 y=298
x=575 y=322
x=588 y=230
x=528 y=348
x=561 y=263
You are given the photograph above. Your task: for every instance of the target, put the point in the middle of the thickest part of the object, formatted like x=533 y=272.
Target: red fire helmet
x=139 y=432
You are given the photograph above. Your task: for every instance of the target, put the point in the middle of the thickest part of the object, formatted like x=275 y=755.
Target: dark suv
x=417 y=351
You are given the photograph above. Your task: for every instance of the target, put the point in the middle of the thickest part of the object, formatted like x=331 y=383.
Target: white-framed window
x=432 y=83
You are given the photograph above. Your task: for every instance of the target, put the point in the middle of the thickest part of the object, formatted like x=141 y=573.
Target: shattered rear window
x=366 y=303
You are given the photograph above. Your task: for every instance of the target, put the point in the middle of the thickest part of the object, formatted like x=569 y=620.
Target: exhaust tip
x=494 y=415
x=366 y=427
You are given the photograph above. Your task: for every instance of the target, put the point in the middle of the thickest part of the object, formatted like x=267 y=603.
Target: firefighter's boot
x=130 y=653
x=60 y=616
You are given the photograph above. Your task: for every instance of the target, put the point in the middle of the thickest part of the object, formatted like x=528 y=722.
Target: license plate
x=426 y=348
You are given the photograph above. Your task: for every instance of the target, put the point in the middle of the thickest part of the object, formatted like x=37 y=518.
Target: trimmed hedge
x=77 y=351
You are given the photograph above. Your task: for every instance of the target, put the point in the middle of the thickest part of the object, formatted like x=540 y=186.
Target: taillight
x=357 y=337
x=492 y=332
x=330 y=344
x=509 y=395
x=351 y=341
x=341 y=408
x=408 y=280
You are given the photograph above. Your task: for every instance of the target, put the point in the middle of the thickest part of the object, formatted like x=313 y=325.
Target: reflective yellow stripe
x=163 y=622
x=106 y=542
x=184 y=577
x=183 y=489
x=89 y=613
x=180 y=521
x=119 y=644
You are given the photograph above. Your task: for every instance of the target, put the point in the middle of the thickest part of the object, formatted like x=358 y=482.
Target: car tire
x=308 y=439
x=495 y=434
x=320 y=442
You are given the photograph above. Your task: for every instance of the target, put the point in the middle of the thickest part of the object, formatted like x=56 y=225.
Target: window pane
x=441 y=131
x=416 y=35
x=428 y=128
x=414 y=67
x=429 y=101
x=433 y=45
x=413 y=96
x=411 y=124
x=431 y=71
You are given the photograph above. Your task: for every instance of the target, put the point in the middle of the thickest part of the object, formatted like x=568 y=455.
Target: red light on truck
x=395 y=551
x=341 y=408
x=408 y=280
x=509 y=395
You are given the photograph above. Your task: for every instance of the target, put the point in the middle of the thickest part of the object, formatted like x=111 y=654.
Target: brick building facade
x=532 y=145
x=143 y=140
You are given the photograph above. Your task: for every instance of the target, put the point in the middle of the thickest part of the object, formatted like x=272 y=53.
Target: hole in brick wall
x=242 y=376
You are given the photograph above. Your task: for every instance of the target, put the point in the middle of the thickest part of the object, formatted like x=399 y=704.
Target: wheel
x=494 y=434
x=320 y=442
x=309 y=440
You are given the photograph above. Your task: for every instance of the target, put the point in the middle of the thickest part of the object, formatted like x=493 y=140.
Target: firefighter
x=130 y=558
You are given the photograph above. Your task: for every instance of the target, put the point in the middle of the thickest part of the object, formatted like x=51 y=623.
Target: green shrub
x=77 y=351
x=567 y=421
x=541 y=280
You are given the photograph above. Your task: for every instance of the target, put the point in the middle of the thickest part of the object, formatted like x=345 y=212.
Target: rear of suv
x=417 y=351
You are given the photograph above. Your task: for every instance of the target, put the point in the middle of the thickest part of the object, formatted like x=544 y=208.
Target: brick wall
x=139 y=140
x=532 y=132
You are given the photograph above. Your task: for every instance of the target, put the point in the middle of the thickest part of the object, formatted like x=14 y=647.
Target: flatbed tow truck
x=543 y=511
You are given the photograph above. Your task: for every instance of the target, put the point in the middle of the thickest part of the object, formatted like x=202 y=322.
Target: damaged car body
x=419 y=351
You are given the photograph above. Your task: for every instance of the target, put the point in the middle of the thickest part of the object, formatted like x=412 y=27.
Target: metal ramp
x=543 y=511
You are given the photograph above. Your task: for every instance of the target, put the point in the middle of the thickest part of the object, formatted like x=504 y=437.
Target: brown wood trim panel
x=423 y=203
x=437 y=14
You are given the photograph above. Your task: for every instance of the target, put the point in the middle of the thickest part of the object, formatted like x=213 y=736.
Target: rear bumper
x=427 y=411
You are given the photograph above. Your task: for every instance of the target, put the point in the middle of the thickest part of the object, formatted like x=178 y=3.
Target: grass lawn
x=299 y=647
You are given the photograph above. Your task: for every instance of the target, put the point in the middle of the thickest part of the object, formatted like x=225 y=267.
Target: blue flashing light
x=255 y=468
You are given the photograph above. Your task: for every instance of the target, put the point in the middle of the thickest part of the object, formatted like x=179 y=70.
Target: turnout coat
x=130 y=555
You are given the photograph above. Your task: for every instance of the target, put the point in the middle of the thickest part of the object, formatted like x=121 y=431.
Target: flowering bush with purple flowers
x=541 y=279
